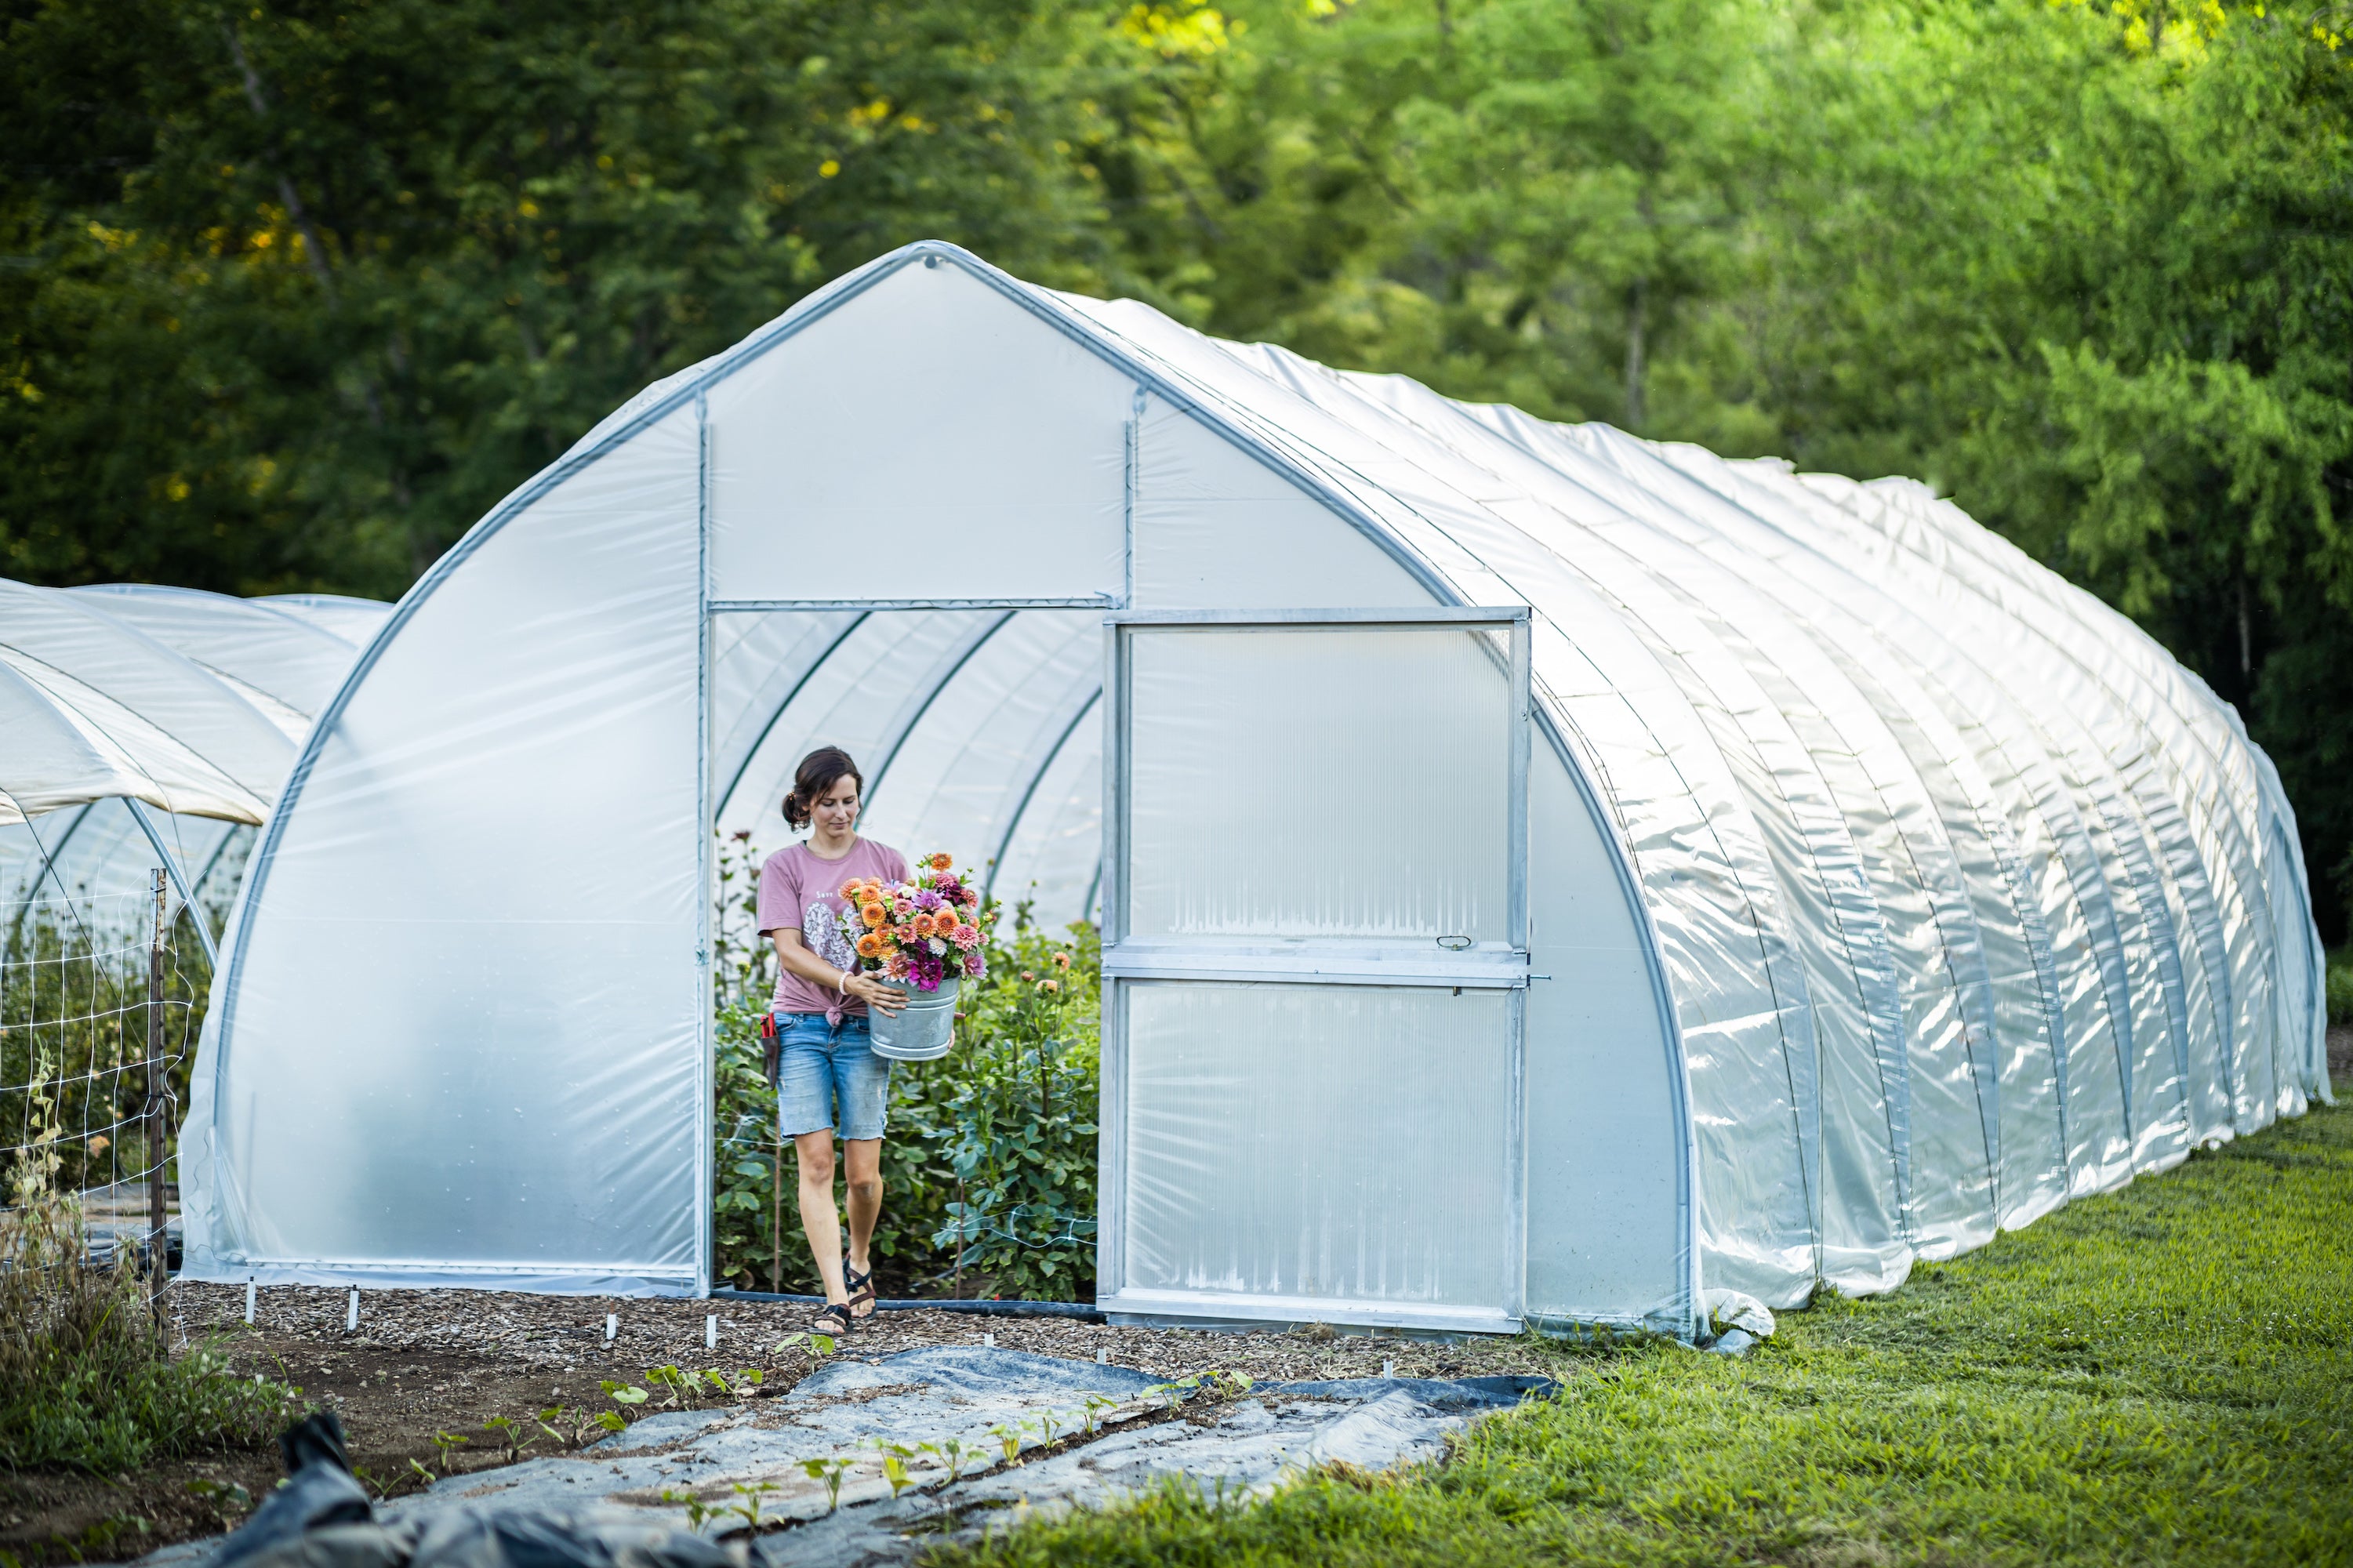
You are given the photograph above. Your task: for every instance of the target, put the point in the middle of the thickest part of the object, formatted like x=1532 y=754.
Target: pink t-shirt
x=797 y=888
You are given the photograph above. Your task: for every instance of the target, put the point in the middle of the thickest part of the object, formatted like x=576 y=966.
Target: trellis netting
x=1543 y=873
x=143 y=732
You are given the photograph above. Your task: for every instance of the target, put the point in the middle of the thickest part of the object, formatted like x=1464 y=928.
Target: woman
x=825 y=1060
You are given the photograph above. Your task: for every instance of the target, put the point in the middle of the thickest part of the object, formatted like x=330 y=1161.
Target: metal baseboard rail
x=1082 y=1310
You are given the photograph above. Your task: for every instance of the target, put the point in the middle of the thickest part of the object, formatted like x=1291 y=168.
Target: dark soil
x=425 y=1363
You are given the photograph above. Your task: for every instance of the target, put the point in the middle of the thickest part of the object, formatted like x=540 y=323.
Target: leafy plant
x=681 y=1389
x=894 y=1466
x=509 y=1435
x=988 y=1169
x=817 y=1347
x=577 y=1424
x=1017 y=1127
x=379 y=1487
x=697 y=1510
x=746 y=1505
x=829 y=1472
x=1008 y=1440
x=85 y=1378
x=228 y=1499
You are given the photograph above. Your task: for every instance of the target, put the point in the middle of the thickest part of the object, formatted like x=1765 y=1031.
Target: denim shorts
x=818 y=1064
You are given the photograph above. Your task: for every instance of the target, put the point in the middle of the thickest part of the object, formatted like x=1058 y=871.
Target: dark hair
x=817 y=775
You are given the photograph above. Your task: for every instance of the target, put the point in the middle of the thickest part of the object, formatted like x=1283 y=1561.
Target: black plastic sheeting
x=321 y=1519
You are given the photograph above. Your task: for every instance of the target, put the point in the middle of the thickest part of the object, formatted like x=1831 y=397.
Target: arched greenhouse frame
x=1546 y=876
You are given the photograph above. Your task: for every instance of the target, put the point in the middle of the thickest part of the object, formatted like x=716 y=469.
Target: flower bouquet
x=922 y=936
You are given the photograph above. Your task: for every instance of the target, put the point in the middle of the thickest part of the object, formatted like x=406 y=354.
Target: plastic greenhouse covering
x=1543 y=873
x=123 y=696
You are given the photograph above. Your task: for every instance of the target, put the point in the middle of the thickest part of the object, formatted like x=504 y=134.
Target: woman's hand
x=887 y=999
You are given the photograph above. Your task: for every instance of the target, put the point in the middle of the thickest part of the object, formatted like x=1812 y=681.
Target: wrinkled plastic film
x=464 y=1033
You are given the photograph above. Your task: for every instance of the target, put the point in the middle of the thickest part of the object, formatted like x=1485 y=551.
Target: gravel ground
x=561 y=1333
x=428 y=1367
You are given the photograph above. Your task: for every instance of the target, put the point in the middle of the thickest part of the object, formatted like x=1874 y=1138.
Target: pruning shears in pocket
x=771 y=1049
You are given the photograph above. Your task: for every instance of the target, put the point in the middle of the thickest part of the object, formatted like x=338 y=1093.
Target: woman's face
x=836 y=811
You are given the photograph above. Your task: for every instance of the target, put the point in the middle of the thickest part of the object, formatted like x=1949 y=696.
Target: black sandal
x=833 y=1320
x=861 y=1288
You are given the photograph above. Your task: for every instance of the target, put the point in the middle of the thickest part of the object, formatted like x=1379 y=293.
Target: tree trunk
x=1635 y=364
x=2246 y=638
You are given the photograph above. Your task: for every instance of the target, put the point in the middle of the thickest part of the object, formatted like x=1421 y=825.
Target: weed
x=86 y=1379
x=229 y=1502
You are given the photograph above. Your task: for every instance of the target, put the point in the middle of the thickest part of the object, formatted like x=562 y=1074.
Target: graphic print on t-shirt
x=821 y=929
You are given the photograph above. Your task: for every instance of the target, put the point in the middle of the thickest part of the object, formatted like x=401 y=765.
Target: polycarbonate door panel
x=1340 y=1144
x=1321 y=782
x=1318 y=931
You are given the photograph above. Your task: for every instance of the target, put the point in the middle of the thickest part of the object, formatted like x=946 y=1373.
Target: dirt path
x=427 y=1362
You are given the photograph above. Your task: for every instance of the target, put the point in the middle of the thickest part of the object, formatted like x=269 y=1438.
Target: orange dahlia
x=872 y=915
x=870 y=946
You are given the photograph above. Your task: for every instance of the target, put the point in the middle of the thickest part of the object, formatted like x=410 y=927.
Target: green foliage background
x=292 y=293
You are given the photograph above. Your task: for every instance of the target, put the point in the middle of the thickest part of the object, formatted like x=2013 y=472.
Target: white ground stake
x=248 y=1300
x=612 y=1326
x=988 y=1339
x=1389 y=1369
x=351 y=1315
x=1102 y=1358
x=711 y=1332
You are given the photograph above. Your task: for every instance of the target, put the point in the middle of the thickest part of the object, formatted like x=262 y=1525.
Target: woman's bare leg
x=862 y=1162
x=821 y=1221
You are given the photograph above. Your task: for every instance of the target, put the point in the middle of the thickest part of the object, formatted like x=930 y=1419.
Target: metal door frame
x=1358 y=963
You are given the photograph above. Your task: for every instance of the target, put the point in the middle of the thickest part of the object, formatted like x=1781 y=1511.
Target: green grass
x=2161 y=1376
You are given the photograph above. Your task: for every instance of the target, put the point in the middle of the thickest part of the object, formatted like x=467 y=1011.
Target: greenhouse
x=150 y=726
x=1546 y=876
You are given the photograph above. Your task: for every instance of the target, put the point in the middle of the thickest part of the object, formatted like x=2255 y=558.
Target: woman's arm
x=798 y=960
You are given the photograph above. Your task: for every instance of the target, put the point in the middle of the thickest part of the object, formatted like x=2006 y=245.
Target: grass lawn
x=2160 y=1375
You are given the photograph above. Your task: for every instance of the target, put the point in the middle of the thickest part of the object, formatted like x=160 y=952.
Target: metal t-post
x=158 y=1104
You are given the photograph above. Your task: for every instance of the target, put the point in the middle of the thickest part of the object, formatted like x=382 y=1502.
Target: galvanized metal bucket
x=920 y=1031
